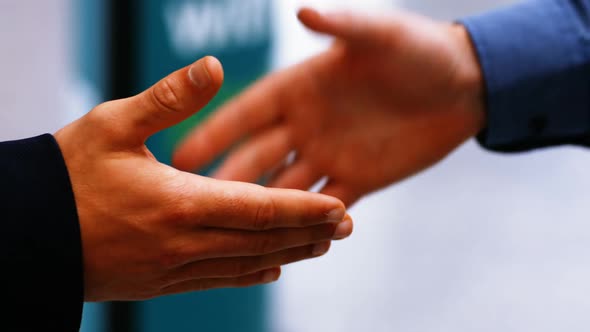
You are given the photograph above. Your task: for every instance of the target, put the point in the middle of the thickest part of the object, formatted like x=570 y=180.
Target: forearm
x=535 y=57
x=41 y=249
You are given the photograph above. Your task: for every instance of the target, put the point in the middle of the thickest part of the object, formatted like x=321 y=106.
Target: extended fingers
x=258 y=278
x=354 y=28
x=259 y=106
x=300 y=175
x=234 y=205
x=338 y=24
x=257 y=156
x=215 y=243
x=257 y=243
x=347 y=194
x=240 y=266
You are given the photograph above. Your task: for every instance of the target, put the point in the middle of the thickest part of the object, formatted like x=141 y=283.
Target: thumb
x=171 y=100
x=356 y=29
x=342 y=25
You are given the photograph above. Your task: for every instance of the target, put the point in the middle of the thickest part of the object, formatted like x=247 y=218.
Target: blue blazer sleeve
x=40 y=244
x=535 y=57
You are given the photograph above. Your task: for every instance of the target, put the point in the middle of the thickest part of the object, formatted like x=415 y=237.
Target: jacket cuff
x=41 y=245
x=535 y=59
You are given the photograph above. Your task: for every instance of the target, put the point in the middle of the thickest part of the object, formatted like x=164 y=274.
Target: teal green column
x=173 y=34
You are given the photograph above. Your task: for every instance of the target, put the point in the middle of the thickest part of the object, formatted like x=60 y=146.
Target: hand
x=150 y=230
x=391 y=97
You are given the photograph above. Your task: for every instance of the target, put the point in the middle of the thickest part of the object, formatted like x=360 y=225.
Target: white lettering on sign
x=197 y=26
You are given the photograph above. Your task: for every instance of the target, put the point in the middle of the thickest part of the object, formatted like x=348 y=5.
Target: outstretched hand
x=391 y=97
x=150 y=230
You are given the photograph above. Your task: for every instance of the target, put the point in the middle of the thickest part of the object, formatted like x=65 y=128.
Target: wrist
x=470 y=82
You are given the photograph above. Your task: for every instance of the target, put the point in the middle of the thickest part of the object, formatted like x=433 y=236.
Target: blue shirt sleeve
x=535 y=57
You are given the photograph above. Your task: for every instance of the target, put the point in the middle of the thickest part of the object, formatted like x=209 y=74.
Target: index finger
x=243 y=206
x=259 y=106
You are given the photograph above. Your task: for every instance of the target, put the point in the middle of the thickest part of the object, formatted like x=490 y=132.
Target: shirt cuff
x=535 y=60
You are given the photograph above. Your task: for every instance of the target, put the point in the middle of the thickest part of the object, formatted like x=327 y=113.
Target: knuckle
x=96 y=115
x=175 y=256
x=177 y=215
x=102 y=123
x=165 y=95
x=178 y=209
x=104 y=108
x=266 y=213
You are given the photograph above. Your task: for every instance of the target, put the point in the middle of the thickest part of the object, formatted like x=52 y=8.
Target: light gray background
x=34 y=62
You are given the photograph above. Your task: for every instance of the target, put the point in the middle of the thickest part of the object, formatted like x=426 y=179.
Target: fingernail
x=270 y=276
x=320 y=249
x=343 y=230
x=335 y=215
x=199 y=74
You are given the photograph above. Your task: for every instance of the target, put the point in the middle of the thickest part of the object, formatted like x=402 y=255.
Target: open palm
x=357 y=114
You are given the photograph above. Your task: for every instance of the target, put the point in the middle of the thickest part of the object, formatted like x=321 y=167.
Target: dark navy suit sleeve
x=40 y=247
x=535 y=57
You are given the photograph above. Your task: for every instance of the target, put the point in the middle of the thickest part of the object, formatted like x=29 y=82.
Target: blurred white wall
x=33 y=66
x=481 y=242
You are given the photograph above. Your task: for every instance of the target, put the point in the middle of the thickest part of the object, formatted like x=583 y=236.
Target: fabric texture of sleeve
x=535 y=57
x=42 y=269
